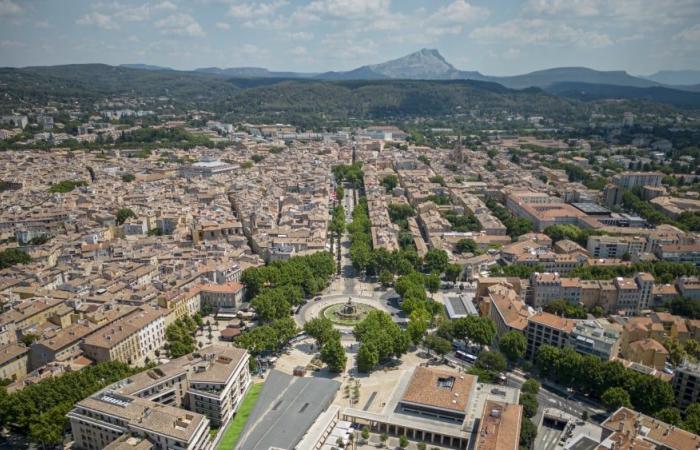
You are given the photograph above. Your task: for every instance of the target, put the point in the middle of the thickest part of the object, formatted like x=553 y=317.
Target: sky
x=496 y=37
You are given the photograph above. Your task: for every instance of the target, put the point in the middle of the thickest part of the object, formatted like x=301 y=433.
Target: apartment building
x=689 y=287
x=504 y=306
x=188 y=393
x=130 y=339
x=686 y=384
x=14 y=359
x=228 y=295
x=616 y=246
x=597 y=337
x=106 y=416
x=627 y=429
x=626 y=294
x=547 y=329
x=683 y=253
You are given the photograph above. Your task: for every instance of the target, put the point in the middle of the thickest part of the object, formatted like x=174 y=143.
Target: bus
x=465 y=356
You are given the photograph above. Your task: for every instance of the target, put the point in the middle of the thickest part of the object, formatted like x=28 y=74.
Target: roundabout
x=347 y=314
x=335 y=307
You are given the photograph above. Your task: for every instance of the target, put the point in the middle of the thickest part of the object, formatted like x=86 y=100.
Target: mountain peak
x=424 y=64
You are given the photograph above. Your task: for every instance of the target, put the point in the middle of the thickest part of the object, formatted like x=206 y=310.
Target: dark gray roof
x=285 y=410
x=584 y=443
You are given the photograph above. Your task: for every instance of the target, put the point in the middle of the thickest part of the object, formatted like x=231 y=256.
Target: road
x=549 y=397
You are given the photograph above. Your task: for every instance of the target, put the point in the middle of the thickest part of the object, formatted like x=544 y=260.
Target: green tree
x=333 y=355
x=367 y=358
x=128 y=177
x=453 y=272
x=615 y=397
x=403 y=441
x=528 y=433
x=467 y=246
x=12 y=256
x=383 y=438
x=670 y=415
x=692 y=418
x=513 y=344
x=386 y=278
x=123 y=214
x=432 y=282
x=492 y=361
x=435 y=260
x=390 y=182
x=321 y=329
x=437 y=344
x=365 y=433
x=531 y=386
x=478 y=329
x=530 y=405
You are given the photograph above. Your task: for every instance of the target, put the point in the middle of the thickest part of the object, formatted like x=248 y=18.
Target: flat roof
x=591 y=208
x=285 y=410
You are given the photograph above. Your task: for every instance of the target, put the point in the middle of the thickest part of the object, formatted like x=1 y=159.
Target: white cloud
x=580 y=8
x=451 y=18
x=300 y=35
x=299 y=51
x=459 y=12
x=7 y=44
x=41 y=24
x=223 y=26
x=8 y=7
x=144 y=12
x=253 y=10
x=180 y=24
x=537 y=31
x=99 y=20
x=691 y=34
x=348 y=9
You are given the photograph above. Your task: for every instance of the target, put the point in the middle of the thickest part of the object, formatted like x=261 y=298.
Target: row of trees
x=689 y=220
x=328 y=340
x=65 y=186
x=351 y=173
x=268 y=338
x=570 y=232
x=180 y=336
x=274 y=288
x=663 y=271
x=309 y=273
x=592 y=376
x=380 y=339
x=39 y=410
x=11 y=256
x=516 y=226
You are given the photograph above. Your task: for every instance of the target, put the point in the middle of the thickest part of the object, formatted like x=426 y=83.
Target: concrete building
x=686 y=384
x=596 y=337
x=446 y=408
x=130 y=339
x=171 y=405
x=616 y=246
x=628 y=430
x=14 y=359
x=547 y=329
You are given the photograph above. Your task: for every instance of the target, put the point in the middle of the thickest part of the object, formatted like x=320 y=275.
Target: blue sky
x=495 y=37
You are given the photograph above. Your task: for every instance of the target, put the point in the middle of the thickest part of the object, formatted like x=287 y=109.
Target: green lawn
x=234 y=428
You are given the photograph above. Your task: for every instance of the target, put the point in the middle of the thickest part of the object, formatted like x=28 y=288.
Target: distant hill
x=145 y=67
x=548 y=77
x=676 y=77
x=311 y=103
x=252 y=72
x=429 y=64
x=656 y=94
